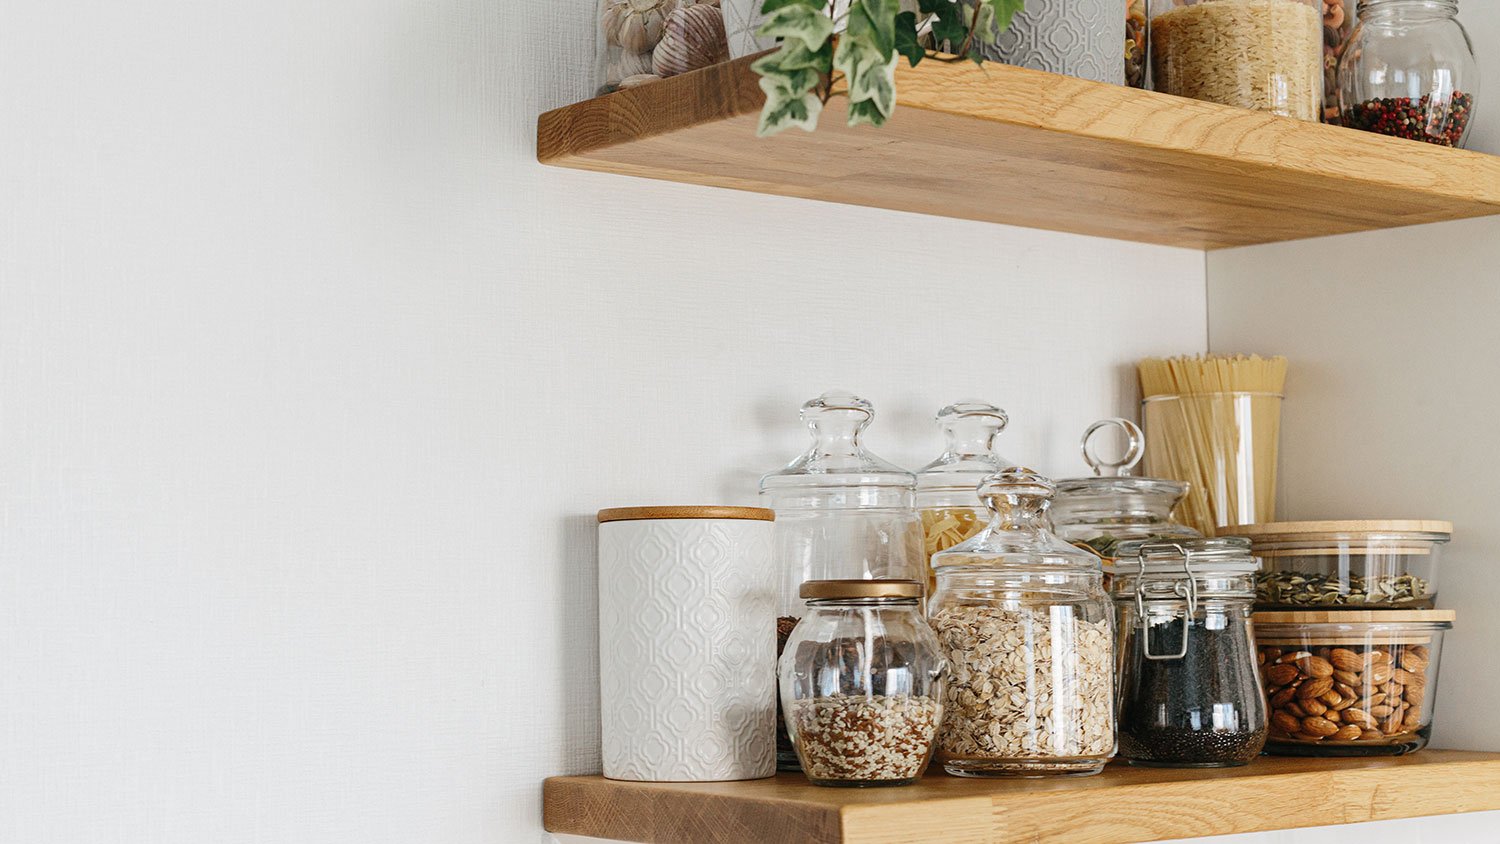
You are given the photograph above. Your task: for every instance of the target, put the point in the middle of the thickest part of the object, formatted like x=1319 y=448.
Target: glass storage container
x=1355 y=564
x=1350 y=682
x=641 y=41
x=1409 y=71
x=1135 y=43
x=841 y=514
x=1339 y=17
x=1189 y=692
x=1028 y=631
x=861 y=683
x=947 y=488
x=1113 y=506
x=1265 y=55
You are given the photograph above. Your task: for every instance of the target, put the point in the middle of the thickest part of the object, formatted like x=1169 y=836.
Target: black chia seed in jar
x=1203 y=710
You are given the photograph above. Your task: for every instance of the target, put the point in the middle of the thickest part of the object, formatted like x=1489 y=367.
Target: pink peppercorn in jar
x=1409 y=71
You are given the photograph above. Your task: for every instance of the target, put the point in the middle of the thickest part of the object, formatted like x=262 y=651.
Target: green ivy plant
x=800 y=76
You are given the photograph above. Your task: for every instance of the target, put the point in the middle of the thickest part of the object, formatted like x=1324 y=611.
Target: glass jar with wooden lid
x=1350 y=682
x=1358 y=564
x=862 y=683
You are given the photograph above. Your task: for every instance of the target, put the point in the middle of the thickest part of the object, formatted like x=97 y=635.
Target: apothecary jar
x=1029 y=635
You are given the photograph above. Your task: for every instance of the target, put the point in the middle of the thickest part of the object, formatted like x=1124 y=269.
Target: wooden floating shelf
x=1121 y=805
x=1009 y=145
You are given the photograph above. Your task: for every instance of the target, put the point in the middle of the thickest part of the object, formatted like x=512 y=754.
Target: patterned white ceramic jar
x=687 y=643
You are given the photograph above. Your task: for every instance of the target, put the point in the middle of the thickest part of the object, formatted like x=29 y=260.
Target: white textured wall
x=311 y=379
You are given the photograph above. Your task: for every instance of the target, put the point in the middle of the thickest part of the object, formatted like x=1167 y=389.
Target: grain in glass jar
x=1265 y=55
x=842 y=513
x=1028 y=631
x=861 y=683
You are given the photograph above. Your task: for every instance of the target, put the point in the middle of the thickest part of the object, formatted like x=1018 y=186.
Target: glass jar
x=642 y=41
x=1135 y=43
x=1355 y=564
x=1189 y=693
x=1350 y=683
x=1265 y=55
x=1113 y=506
x=841 y=514
x=947 y=488
x=1409 y=71
x=1028 y=631
x=1339 y=17
x=861 y=683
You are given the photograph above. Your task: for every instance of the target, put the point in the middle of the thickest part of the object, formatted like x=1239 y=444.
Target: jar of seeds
x=1189 y=696
x=1028 y=631
x=861 y=683
x=1371 y=564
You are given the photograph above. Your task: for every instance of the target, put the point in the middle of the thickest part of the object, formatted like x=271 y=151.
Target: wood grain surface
x=1010 y=145
x=1121 y=805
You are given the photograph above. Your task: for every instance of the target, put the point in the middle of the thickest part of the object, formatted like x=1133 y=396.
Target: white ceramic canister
x=687 y=643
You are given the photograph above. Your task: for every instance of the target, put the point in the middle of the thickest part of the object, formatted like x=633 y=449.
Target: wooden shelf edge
x=1121 y=806
x=1034 y=149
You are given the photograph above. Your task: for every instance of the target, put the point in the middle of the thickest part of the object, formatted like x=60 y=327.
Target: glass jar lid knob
x=1185 y=588
x=1135 y=447
x=1018 y=496
x=971 y=426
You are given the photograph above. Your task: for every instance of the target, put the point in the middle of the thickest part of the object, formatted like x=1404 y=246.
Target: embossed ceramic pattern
x=687 y=663
x=1084 y=38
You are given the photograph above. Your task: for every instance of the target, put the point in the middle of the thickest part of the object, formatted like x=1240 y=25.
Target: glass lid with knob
x=969 y=432
x=1114 y=506
x=1018 y=533
x=836 y=457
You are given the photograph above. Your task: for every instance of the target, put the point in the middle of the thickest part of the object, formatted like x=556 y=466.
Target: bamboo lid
x=1289 y=530
x=1355 y=616
x=634 y=514
x=855 y=589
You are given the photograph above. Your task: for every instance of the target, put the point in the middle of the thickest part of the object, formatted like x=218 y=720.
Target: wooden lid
x=635 y=514
x=1355 y=616
x=1291 y=529
x=856 y=589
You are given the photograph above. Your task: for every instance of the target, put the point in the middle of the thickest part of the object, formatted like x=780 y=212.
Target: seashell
x=625 y=65
x=637 y=25
x=693 y=38
x=638 y=80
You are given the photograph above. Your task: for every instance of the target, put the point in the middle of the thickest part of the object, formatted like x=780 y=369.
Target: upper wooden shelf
x=1121 y=805
x=1010 y=145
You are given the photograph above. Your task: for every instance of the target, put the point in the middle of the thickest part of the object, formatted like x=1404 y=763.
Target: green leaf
x=786 y=108
x=984 y=23
x=906 y=38
x=871 y=79
x=1005 y=11
x=950 y=23
x=790 y=78
x=769 y=6
x=881 y=16
x=865 y=113
x=798 y=23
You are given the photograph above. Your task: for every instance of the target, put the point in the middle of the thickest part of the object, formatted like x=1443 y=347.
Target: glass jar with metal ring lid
x=1189 y=690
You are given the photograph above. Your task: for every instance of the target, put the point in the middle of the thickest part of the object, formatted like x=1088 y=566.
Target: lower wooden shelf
x=1123 y=804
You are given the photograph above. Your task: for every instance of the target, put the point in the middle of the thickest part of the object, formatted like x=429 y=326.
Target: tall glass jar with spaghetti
x=947 y=488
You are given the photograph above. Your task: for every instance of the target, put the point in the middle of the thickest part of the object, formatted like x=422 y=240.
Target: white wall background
x=311 y=379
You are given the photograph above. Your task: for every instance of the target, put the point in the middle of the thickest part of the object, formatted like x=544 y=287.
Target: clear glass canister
x=1409 y=71
x=1113 y=506
x=861 y=683
x=1339 y=17
x=1350 y=683
x=1265 y=55
x=1373 y=565
x=1135 y=43
x=1028 y=631
x=947 y=488
x=641 y=41
x=1189 y=693
x=842 y=513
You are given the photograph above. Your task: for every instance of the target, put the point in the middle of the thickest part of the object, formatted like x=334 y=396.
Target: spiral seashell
x=693 y=38
x=638 y=80
x=637 y=25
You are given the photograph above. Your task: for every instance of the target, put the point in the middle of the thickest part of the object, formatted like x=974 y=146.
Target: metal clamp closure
x=1184 y=589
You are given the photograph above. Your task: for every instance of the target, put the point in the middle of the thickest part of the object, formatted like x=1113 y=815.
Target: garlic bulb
x=637 y=25
x=692 y=38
